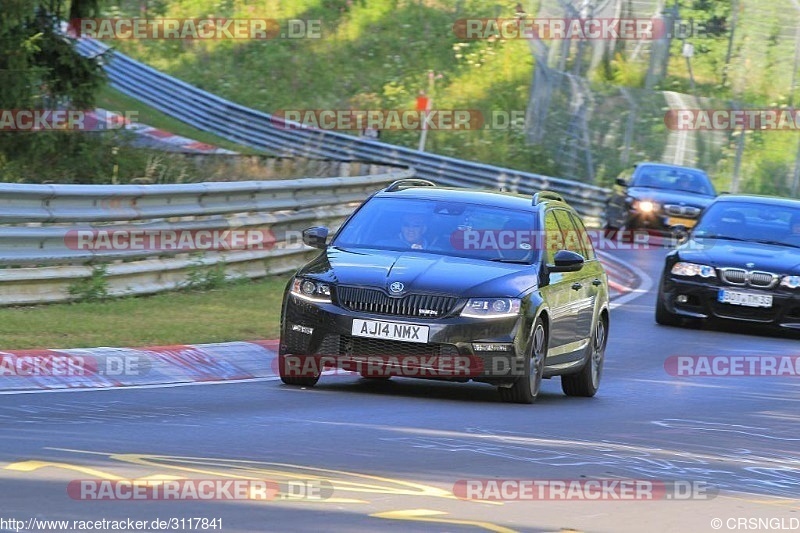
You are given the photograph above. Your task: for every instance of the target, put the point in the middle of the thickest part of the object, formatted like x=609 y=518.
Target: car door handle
x=576 y=286
x=597 y=282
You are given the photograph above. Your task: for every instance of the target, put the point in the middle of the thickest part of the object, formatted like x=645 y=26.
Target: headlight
x=791 y=282
x=645 y=206
x=491 y=307
x=311 y=290
x=691 y=269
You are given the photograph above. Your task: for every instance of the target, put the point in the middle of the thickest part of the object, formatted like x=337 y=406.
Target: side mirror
x=316 y=237
x=679 y=234
x=622 y=182
x=566 y=261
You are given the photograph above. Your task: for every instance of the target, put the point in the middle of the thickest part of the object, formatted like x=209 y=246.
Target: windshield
x=751 y=222
x=673 y=178
x=442 y=227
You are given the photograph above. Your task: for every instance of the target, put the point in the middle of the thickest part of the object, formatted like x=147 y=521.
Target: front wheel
x=308 y=378
x=586 y=382
x=526 y=388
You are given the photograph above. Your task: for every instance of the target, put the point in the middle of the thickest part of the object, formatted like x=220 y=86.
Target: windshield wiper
x=515 y=261
x=691 y=191
x=724 y=237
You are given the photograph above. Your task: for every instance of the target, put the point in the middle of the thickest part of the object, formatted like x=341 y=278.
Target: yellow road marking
x=30 y=466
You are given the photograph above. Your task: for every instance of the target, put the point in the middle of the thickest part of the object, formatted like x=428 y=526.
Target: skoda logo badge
x=396 y=287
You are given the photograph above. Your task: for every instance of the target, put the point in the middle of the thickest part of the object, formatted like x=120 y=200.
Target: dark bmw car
x=456 y=284
x=740 y=262
x=658 y=197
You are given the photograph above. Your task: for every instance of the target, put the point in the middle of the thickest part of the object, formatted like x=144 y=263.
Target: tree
x=40 y=68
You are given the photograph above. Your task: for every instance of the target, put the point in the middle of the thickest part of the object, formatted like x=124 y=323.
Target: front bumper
x=657 y=222
x=324 y=332
x=702 y=303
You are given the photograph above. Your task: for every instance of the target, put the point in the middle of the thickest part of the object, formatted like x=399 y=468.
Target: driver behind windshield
x=686 y=183
x=411 y=233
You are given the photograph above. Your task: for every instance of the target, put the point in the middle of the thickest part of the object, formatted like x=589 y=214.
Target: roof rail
x=546 y=195
x=409 y=182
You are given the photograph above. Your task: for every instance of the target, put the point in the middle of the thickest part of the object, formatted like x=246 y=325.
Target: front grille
x=756 y=314
x=741 y=277
x=682 y=211
x=734 y=276
x=762 y=279
x=329 y=346
x=378 y=302
x=363 y=347
x=347 y=345
x=360 y=354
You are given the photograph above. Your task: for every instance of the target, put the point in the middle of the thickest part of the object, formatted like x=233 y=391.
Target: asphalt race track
x=387 y=455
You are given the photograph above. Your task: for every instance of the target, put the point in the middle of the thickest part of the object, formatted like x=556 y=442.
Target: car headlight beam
x=791 y=282
x=491 y=307
x=311 y=290
x=645 y=206
x=693 y=270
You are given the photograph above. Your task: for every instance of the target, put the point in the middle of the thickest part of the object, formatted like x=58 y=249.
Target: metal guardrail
x=253 y=128
x=39 y=262
x=103 y=203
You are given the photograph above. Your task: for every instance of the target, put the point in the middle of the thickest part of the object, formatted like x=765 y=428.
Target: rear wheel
x=586 y=382
x=526 y=388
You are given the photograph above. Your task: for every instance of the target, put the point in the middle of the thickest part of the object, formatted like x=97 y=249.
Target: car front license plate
x=376 y=329
x=745 y=298
x=688 y=222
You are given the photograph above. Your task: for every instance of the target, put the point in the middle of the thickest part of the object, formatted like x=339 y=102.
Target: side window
x=553 y=240
x=569 y=234
x=586 y=242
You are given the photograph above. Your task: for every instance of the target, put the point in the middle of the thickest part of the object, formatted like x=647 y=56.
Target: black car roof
x=492 y=198
x=757 y=199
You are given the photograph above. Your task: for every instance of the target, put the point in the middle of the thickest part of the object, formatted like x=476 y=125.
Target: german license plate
x=376 y=329
x=744 y=298
x=674 y=221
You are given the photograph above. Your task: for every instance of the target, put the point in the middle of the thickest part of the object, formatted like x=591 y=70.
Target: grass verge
x=242 y=311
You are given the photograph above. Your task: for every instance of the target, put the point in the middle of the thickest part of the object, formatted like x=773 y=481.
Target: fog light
x=682 y=299
x=485 y=347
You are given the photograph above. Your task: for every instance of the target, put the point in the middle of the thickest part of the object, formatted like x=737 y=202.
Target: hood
x=422 y=273
x=663 y=196
x=722 y=253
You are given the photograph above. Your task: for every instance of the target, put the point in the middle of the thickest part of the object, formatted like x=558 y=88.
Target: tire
x=526 y=388
x=663 y=316
x=586 y=382
x=297 y=381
